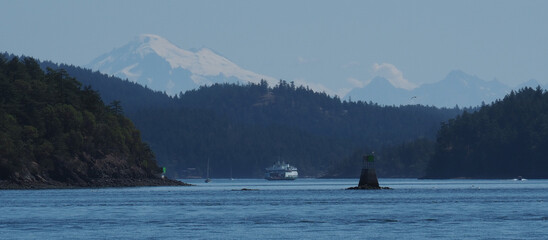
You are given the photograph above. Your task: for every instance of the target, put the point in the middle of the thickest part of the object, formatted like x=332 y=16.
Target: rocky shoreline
x=94 y=183
x=367 y=188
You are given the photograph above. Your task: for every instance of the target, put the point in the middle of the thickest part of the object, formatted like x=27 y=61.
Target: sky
x=336 y=45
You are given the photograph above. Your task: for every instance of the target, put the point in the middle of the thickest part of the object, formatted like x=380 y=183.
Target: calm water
x=301 y=209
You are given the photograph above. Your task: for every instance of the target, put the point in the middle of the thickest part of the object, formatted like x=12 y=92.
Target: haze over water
x=301 y=209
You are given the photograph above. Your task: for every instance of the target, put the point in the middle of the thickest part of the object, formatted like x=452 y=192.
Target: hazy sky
x=339 y=44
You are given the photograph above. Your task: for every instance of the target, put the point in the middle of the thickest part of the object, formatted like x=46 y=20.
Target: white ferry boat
x=281 y=171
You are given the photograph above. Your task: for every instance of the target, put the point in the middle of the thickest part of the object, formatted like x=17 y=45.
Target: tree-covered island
x=54 y=133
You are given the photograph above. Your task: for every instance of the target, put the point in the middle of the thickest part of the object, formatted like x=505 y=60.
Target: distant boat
x=519 y=178
x=207 y=176
x=281 y=171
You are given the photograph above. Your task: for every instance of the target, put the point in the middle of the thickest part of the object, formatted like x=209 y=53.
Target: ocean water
x=300 y=209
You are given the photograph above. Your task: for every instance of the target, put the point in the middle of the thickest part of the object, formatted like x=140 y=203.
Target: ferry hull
x=291 y=175
x=280 y=178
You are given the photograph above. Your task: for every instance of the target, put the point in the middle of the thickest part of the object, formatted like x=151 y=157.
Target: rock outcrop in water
x=368 y=176
x=56 y=134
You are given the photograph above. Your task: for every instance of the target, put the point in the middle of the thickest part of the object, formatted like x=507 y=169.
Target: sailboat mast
x=207 y=168
x=207 y=178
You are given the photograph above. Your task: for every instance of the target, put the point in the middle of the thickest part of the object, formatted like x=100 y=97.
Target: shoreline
x=96 y=183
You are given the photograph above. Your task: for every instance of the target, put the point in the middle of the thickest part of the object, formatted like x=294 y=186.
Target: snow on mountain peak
x=148 y=55
x=150 y=44
x=204 y=62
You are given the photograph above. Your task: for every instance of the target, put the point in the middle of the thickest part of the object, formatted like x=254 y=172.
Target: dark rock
x=368 y=176
x=366 y=187
x=94 y=183
x=245 y=189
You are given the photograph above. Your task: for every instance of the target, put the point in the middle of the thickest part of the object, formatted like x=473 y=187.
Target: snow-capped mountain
x=155 y=62
x=457 y=88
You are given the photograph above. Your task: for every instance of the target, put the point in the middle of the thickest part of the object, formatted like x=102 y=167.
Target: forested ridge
x=506 y=139
x=243 y=128
x=338 y=131
x=54 y=132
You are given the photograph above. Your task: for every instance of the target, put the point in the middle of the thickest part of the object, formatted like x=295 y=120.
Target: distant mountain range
x=153 y=61
x=457 y=88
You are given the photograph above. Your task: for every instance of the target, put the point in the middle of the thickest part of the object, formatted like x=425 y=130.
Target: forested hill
x=248 y=127
x=54 y=133
x=506 y=139
x=242 y=129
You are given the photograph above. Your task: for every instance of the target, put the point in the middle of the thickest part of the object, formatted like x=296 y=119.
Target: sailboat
x=207 y=177
x=231 y=179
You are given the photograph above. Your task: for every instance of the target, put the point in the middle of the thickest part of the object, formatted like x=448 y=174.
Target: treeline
x=54 y=129
x=317 y=113
x=243 y=128
x=506 y=139
x=282 y=115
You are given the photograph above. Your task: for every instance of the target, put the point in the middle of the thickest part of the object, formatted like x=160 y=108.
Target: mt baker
x=153 y=61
